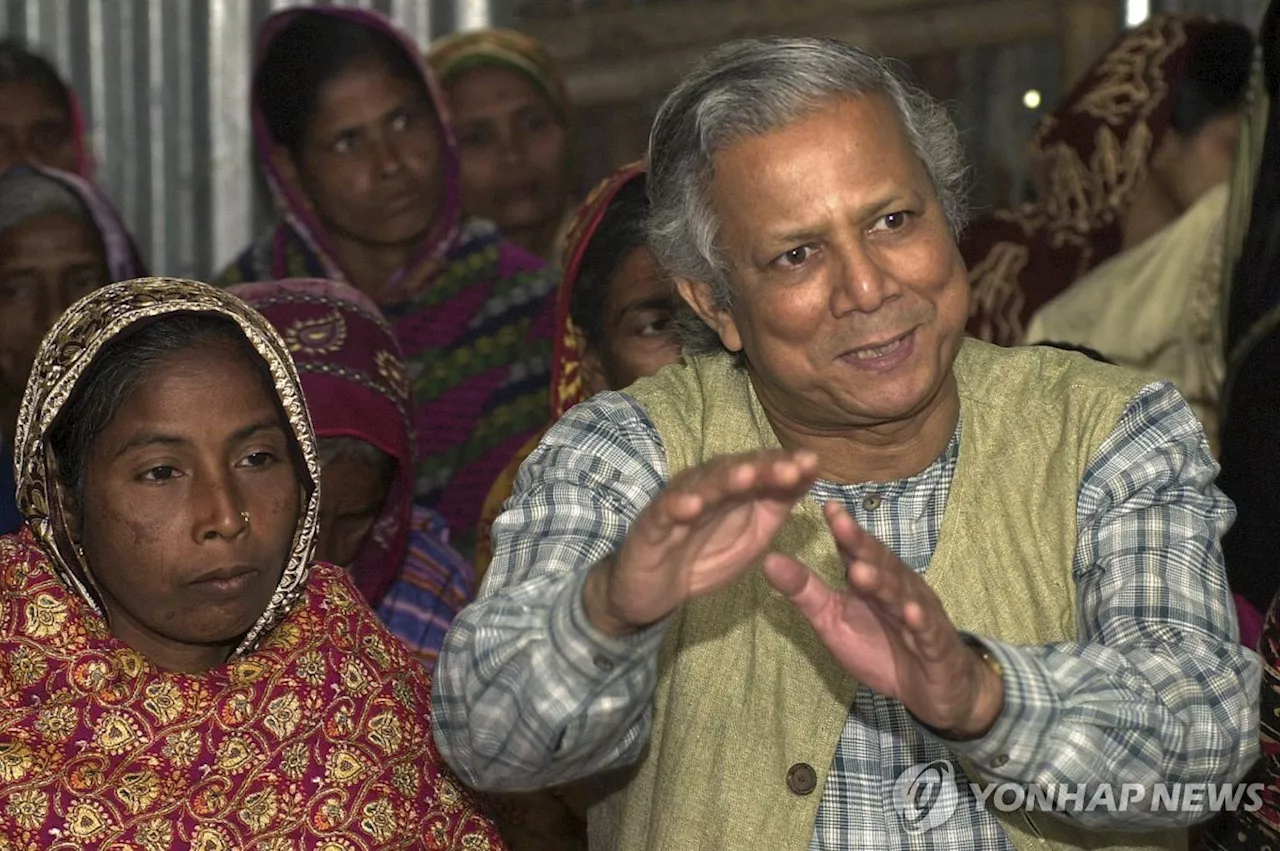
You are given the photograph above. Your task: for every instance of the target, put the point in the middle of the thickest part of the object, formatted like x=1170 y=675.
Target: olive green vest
x=745 y=689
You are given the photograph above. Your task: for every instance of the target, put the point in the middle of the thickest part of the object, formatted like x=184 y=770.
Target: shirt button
x=871 y=502
x=1000 y=761
x=603 y=662
x=801 y=778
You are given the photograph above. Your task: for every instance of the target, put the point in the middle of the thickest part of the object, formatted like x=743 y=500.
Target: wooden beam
x=620 y=55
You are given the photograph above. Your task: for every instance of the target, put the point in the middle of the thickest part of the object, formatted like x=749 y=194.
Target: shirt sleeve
x=527 y=693
x=1157 y=688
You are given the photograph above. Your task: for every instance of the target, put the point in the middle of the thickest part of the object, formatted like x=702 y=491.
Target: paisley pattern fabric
x=353 y=379
x=355 y=382
x=1088 y=160
x=314 y=734
x=319 y=739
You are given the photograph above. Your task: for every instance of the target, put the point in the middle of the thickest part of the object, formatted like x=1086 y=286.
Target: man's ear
x=700 y=298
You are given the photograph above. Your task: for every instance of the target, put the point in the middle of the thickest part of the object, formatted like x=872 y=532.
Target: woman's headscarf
x=473 y=314
x=1089 y=159
x=566 y=374
x=300 y=247
x=501 y=48
x=28 y=191
x=20 y=64
x=567 y=388
x=66 y=354
x=353 y=377
x=317 y=730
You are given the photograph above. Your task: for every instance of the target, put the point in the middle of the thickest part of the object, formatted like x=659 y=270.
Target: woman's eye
x=344 y=144
x=535 y=121
x=163 y=473
x=474 y=137
x=656 y=327
x=259 y=459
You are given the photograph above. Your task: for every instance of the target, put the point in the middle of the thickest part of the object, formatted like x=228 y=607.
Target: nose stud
x=244 y=515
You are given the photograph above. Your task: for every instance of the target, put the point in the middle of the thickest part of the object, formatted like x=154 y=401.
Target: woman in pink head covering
x=40 y=117
x=354 y=139
x=357 y=392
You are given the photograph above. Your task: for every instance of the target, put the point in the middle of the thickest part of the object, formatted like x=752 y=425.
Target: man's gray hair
x=749 y=88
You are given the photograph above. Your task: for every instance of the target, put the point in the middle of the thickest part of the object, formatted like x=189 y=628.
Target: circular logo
x=925 y=795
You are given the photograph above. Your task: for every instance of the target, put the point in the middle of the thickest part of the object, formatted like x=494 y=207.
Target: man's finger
x=801 y=586
x=852 y=540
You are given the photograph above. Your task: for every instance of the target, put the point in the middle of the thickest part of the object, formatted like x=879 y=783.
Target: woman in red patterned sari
x=175 y=672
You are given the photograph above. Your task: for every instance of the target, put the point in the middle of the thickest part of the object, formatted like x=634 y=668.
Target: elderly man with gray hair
x=823 y=583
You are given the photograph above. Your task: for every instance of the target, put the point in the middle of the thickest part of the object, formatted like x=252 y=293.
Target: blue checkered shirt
x=1156 y=688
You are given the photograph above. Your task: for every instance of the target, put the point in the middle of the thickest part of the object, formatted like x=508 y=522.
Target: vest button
x=603 y=663
x=801 y=778
x=871 y=502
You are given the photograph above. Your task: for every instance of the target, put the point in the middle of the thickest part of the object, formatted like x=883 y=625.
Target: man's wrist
x=595 y=601
x=989 y=702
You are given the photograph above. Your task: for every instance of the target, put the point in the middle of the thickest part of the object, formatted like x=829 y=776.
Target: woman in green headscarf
x=511 y=117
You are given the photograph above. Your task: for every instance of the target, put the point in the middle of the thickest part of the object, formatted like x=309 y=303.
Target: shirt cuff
x=1013 y=748
x=595 y=657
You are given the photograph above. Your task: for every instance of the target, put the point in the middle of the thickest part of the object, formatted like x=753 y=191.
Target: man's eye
x=794 y=257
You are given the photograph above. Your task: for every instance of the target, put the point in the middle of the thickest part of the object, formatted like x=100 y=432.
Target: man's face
x=849 y=294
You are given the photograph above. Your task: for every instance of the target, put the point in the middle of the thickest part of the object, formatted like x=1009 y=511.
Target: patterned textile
x=502 y=48
x=473 y=315
x=319 y=739
x=10 y=519
x=1088 y=158
x=1147 y=510
x=566 y=378
x=433 y=586
x=353 y=378
x=314 y=734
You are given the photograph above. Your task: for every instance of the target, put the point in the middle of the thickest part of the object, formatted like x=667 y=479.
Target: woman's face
x=513 y=147
x=46 y=264
x=190 y=504
x=639 y=338
x=352 y=492
x=370 y=159
x=34 y=127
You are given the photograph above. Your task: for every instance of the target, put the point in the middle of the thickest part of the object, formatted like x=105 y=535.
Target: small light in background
x=1136 y=11
x=1031 y=99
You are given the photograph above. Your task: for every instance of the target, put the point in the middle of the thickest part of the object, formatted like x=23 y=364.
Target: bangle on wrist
x=988 y=658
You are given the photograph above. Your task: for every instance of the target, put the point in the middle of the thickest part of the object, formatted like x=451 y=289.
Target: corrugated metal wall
x=165 y=86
